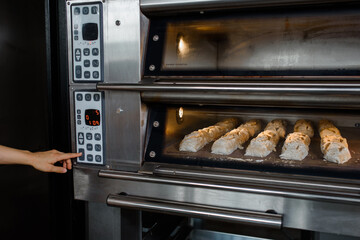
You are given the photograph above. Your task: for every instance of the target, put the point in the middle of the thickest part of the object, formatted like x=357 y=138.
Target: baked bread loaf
x=266 y=141
x=296 y=145
x=304 y=126
x=236 y=138
x=334 y=147
x=277 y=125
x=196 y=140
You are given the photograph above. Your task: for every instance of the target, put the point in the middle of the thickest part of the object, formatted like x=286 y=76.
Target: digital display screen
x=92 y=117
x=90 y=31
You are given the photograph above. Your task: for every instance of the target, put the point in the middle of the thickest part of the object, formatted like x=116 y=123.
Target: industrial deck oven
x=143 y=75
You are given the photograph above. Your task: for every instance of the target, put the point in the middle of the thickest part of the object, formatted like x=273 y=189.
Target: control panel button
x=76 y=32
x=87 y=63
x=97 y=136
x=90 y=157
x=95 y=74
x=76 y=38
x=87 y=74
x=97 y=147
x=89 y=136
x=98 y=158
x=95 y=51
x=77 y=11
x=82 y=157
x=78 y=71
x=96 y=99
x=79 y=97
x=79 y=111
x=88 y=97
x=86 y=51
x=95 y=63
x=81 y=138
x=89 y=147
x=76 y=26
x=78 y=116
x=77 y=54
x=85 y=10
x=94 y=10
x=79 y=122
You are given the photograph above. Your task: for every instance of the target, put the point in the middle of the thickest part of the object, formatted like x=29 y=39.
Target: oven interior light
x=182 y=45
x=180 y=115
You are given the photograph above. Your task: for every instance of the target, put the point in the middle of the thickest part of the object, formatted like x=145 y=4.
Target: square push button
x=87 y=74
x=89 y=147
x=97 y=147
x=86 y=51
x=89 y=136
x=77 y=11
x=79 y=97
x=95 y=74
x=90 y=157
x=88 y=97
x=95 y=63
x=78 y=71
x=98 y=158
x=97 y=136
x=87 y=63
x=96 y=99
x=94 y=10
x=95 y=51
x=82 y=157
x=85 y=10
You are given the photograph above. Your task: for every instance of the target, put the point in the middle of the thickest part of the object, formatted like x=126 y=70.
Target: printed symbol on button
x=85 y=10
x=77 y=11
x=86 y=51
x=98 y=158
x=95 y=63
x=95 y=51
x=89 y=147
x=78 y=71
x=96 y=98
x=82 y=157
x=95 y=74
x=87 y=63
x=89 y=136
x=89 y=157
x=88 y=97
x=97 y=136
x=97 y=147
x=78 y=54
x=94 y=10
x=81 y=138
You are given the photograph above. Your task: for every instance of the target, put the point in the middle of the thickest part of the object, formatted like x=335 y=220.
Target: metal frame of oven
x=262 y=199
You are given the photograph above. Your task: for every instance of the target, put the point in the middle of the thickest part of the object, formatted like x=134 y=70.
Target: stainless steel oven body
x=113 y=118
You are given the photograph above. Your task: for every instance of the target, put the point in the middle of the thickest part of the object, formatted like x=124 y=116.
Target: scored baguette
x=196 y=140
x=236 y=138
x=334 y=147
x=296 y=145
x=266 y=141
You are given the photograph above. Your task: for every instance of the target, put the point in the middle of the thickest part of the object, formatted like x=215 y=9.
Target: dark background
x=34 y=116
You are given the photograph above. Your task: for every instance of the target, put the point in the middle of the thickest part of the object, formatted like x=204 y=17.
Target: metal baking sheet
x=314 y=160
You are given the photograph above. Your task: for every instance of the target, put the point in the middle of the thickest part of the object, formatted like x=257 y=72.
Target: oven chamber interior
x=166 y=129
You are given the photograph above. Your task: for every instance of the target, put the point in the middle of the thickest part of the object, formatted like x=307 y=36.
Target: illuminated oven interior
x=169 y=125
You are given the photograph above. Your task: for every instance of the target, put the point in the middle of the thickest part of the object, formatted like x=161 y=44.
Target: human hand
x=44 y=161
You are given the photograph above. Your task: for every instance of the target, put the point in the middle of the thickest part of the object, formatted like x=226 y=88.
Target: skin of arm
x=43 y=161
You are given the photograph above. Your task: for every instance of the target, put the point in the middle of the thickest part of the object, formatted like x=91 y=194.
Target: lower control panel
x=89 y=126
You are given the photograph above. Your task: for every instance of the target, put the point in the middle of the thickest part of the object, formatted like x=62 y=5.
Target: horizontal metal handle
x=313 y=184
x=196 y=210
x=351 y=198
x=162 y=6
x=285 y=88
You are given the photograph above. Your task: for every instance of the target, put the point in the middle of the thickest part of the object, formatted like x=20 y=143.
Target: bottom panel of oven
x=169 y=127
x=266 y=205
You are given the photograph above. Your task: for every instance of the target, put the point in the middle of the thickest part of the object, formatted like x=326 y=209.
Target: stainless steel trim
x=347 y=197
x=164 y=6
x=256 y=179
x=196 y=210
x=288 y=88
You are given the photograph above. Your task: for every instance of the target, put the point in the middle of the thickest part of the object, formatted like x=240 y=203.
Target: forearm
x=15 y=156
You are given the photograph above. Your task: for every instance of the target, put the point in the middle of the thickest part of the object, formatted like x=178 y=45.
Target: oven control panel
x=89 y=121
x=87 y=42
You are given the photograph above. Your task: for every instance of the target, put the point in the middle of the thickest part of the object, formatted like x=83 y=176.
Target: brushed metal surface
x=168 y=6
x=124 y=141
x=196 y=210
x=247 y=94
x=267 y=189
x=122 y=42
x=298 y=213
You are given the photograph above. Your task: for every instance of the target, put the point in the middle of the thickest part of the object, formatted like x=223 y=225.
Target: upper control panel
x=87 y=42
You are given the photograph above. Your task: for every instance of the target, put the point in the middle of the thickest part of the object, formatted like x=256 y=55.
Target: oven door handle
x=271 y=220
